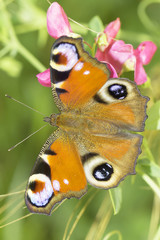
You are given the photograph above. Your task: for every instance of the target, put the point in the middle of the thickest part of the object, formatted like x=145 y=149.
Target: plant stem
x=152 y=184
x=148 y=151
x=15 y=44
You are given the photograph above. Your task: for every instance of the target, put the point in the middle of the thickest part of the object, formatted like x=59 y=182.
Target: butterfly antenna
x=6 y=95
x=26 y=138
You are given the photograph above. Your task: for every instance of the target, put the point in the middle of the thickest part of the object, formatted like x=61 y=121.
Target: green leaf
x=147 y=84
x=148 y=167
x=153 y=121
x=79 y=28
x=96 y=24
x=11 y=66
x=116 y=198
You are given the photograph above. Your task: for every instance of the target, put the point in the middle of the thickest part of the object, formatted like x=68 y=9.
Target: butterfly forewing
x=74 y=73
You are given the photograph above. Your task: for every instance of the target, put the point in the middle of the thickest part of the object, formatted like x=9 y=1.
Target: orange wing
x=58 y=174
x=75 y=74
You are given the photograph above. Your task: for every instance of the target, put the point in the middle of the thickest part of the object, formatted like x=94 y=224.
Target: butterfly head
x=52 y=120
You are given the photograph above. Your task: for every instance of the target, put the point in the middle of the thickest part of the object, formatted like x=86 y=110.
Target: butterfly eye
x=103 y=172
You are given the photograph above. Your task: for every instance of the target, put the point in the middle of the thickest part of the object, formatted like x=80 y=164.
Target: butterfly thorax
x=78 y=122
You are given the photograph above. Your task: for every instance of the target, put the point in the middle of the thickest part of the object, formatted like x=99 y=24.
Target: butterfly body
x=94 y=141
x=77 y=123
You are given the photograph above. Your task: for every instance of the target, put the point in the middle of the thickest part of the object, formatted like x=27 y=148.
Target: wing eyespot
x=63 y=56
x=114 y=90
x=99 y=172
x=40 y=191
x=118 y=91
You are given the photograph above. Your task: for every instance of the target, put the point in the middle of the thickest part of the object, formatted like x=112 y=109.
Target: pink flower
x=143 y=55
x=58 y=25
x=112 y=51
x=44 y=78
x=116 y=54
x=57 y=21
x=110 y=32
x=123 y=57
x=112 y=29
x=113 y=73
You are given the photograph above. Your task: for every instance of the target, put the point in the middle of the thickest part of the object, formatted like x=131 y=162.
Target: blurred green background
x=140 y=208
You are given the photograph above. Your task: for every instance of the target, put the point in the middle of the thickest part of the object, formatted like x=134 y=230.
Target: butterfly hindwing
x=110 y=158
x=57 y=174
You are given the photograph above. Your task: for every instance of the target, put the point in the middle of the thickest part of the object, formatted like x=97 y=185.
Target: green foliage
x=116 y=198
x=12 y=64
x=148 y=167
x=153 y=122
x=96 y=24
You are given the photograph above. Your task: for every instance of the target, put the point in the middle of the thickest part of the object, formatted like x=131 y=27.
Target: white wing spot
x=56 y=185
x=78 y=66
x=66 y=181
x=86 y=72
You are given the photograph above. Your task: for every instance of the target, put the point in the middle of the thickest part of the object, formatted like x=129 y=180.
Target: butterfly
x=95 y=140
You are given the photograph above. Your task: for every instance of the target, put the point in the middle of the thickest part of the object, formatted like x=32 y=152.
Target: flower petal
x=112 y=29
x=44 y=78
x=140 y=75
x=119 y=47
x=116 y=54
x=145 y=51
x=57 y=21
x=113 y=73
x=101 y=56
